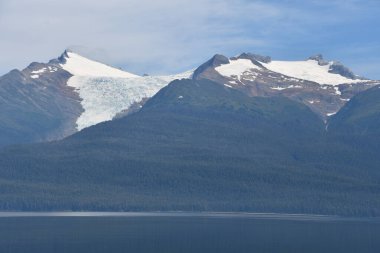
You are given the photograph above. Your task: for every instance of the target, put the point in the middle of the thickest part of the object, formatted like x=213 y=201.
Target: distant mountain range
x=239 y=134
x=46 y=102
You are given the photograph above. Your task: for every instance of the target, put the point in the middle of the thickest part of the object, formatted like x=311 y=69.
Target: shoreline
x=174 y=214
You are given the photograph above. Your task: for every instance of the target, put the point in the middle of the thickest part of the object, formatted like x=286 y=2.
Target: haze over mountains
x=245 y=133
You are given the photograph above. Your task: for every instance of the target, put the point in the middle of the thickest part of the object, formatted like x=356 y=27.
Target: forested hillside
x=197 y=145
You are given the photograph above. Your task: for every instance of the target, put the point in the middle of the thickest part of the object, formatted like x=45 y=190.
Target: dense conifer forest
x=199 y=146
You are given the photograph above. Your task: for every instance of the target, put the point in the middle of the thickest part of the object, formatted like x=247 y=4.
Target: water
x=185 y=233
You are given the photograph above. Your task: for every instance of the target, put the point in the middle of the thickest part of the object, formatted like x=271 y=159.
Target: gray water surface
x=185 y=232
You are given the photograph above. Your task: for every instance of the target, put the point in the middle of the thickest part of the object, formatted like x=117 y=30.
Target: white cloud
x=134 y=32
x=159 y=36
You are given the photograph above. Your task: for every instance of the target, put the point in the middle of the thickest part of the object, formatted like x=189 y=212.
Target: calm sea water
x=185 y=232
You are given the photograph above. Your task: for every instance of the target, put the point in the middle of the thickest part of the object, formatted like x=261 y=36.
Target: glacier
x=106 y=91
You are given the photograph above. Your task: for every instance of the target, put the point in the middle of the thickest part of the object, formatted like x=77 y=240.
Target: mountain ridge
x=71 y=93
x=323 y=86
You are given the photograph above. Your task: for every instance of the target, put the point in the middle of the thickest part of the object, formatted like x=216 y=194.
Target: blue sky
x=169 y=36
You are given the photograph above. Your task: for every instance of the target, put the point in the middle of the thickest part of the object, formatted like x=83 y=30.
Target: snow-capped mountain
x=50 y=101
x=226 y=134
x=323 y=86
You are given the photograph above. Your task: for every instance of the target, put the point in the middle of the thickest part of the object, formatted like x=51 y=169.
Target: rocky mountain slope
x=325 y=87
x=37 y=105
x=46 y=102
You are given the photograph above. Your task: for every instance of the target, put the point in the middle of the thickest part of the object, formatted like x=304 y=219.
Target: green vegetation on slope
x=198 y=146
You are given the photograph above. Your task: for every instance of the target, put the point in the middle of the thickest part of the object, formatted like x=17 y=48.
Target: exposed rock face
x=319 y=59
x=340 y=69
x=256 y=79
x=254 y=58
x=336 y=67
x=207 y=68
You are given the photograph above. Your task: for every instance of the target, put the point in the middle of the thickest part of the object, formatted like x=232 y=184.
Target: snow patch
x=289 y=87
x=337 y=91
x=227 y=85
x=331 y=114
x=236 y=68
x=278 y=88
x=294 y=86
x=43 y=70
x=40 y=71
x=309 y=70
x=52 y=69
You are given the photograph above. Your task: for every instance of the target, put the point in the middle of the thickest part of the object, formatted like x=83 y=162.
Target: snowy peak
x=321 y=85
x=78 y=65
x=314 y=69
x=81 y=92
x=106 y=91
x=236 y=68
x=229 y=67
x=215 y=61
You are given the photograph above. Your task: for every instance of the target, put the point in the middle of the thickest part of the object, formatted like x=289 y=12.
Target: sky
x=171 y=36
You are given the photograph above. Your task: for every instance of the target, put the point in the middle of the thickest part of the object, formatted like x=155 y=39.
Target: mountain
x=198 y=145
x=46 y=102
x=51 y=101
x=323 y=86
x=361 y=116
x=36 y=106
x=238 y=134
